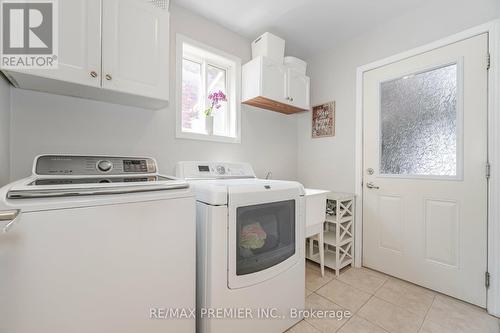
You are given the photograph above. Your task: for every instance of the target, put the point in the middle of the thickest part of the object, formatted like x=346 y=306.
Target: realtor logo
x=29 y=34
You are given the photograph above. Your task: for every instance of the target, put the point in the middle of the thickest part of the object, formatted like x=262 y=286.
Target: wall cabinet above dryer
x=110 y=50
x=271 y=85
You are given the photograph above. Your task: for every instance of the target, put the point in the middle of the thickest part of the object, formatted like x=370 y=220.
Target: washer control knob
x=104 y=166
x=221 y=169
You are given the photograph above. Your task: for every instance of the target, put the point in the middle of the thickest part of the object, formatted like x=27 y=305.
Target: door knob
x=109 y=77
x=93 y=74
x=372 y=186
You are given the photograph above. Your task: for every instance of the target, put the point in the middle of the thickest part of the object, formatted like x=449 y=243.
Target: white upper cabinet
x=298 y=89
x=271 y=85
x=110 y=50
x=273 y=80
x=79 y=45
x=135 y=48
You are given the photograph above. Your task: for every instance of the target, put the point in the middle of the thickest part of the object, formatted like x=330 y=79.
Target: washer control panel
x=92 y=165
x=221 y=170
x=213 y=170
x=104 y=165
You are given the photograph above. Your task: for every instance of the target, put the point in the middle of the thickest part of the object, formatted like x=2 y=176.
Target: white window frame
x=220 y=59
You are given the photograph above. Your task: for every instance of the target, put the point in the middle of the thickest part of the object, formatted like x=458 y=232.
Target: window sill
x=206 y=137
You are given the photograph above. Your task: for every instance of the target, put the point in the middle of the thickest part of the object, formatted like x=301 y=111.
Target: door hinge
x=487 y=279
x=488 y=61
x=488 y=170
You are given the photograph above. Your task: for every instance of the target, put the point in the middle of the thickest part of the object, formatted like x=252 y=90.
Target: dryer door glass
x=265 y=235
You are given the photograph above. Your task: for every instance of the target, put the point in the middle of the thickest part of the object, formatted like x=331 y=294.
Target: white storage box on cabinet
x=270 y=85
x=270 y=46
x=110 y=50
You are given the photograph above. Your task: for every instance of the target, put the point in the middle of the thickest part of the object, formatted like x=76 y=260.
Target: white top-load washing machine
x=250 y=249
x=96 y=244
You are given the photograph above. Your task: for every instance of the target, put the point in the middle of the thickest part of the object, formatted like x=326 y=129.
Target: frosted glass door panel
x=419 y=124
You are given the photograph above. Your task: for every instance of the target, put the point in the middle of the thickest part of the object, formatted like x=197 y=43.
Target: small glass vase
x=209 y=124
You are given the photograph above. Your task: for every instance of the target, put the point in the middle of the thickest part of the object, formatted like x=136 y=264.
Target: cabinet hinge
x=488 y=170
x=487 y=279
x=488 y=61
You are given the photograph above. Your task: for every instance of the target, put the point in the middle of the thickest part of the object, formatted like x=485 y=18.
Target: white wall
x=44 y=123
x=329 y=163
x=4 y=131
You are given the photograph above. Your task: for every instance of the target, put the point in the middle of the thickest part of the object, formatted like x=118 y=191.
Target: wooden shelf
x=268 y=104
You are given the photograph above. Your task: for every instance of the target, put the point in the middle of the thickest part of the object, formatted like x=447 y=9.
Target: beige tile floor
x=383 y=304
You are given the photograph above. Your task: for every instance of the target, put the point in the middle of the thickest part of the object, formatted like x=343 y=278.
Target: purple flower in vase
x=215 y=99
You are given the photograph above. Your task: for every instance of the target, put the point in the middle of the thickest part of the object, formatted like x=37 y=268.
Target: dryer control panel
x=68 y=165
x=213 y=170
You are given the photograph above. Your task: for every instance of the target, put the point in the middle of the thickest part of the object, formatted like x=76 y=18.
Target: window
x=202 y=71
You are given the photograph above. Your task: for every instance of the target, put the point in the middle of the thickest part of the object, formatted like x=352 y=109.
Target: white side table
x=315 y=207
x=338 y=231
x=334 y=235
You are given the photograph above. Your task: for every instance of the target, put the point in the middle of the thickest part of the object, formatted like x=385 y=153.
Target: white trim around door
x=493 y=30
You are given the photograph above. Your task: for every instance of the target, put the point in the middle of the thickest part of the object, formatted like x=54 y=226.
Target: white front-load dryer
x=250 y=249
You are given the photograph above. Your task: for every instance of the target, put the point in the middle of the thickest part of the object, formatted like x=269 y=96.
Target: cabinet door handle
x=93 y=73
x=109 y=77
x=291 y=99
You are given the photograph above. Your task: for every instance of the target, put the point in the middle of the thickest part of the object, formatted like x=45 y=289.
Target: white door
x=79 y=43
x=425 y=156
x=298 y=89
x=135 y=47
x=273 y=81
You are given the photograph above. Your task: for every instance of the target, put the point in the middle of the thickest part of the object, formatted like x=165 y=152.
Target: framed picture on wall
x=323 y=120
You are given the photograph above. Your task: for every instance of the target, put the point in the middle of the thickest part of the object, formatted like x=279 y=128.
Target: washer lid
x=66 y=187
x=98 y=180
